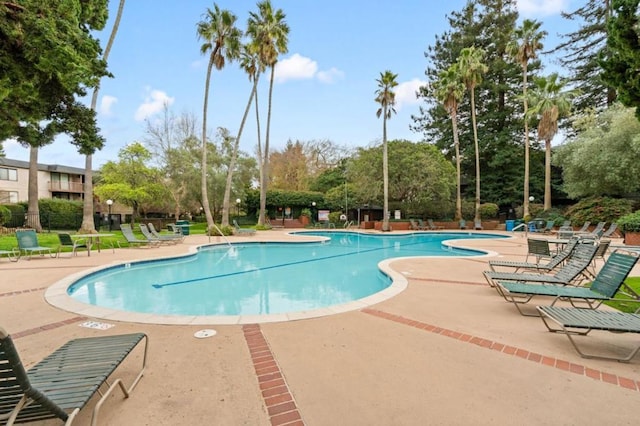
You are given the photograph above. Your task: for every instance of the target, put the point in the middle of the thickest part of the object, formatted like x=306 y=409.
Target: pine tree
x=581 y=49
x=486 y=24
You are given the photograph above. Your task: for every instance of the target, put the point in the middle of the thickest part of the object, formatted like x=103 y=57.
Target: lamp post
x=238 y=201
x=109 y=203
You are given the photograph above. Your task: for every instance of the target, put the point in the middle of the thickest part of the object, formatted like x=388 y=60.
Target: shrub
x=5 y=215
x=468 y=209
x=553 y=214
x=489 y=210
x=598 y=209
x=629 y=222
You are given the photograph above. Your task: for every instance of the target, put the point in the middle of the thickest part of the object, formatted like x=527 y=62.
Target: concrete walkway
x=447 y=350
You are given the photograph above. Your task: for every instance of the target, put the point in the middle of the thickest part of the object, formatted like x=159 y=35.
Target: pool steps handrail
x=221 y=234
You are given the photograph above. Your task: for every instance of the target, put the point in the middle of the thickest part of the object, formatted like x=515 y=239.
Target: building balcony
x=74 y=187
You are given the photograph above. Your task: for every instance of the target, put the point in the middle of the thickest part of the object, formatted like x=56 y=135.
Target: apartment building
x=54 y=181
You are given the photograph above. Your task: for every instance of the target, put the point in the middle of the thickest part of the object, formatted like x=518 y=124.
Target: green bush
x=16 y=219
x=553 y=214
x=598 y=209
x=489 y=211
x=468 y=209
x=5 y=215
x=629 y=222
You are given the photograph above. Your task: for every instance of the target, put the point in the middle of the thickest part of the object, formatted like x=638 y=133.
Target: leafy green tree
x=222 y=39
x=471 y=66
x=421 y=179
x=131 y=181
x=87 y=207
x=550 y=101
x=449 y=90
x=602 y=158
x=48 y=58
x=622 y=64
x=386 y=97
x=270 y=31
x=526 y=42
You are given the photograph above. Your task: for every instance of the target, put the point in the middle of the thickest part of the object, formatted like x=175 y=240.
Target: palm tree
x=221 y=38
x=269 y=29
x=524 y=46
x=88 y=224
x=387 y=99
x=471 y=70
x=449 y=90
x=249 y=62
x=549 y=103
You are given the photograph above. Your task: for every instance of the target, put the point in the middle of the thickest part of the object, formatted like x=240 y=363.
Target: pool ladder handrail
x=224 y=237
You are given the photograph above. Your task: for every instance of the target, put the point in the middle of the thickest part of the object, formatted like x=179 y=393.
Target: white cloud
x=106 y=103
x=406 y=92
x=154 y=101
x=298 y=67
x=330 y=75
x=530 y=8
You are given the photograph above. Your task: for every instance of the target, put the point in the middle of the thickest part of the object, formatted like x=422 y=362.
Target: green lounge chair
x=555 y=262
x=415 y=226
x=64 y=382
x=13 y=255
x=433 y=226
x=67 y=241
x=539 y=248
x=609 y=232
x=144 y=229
x=569 y=321
x=128 y=234
x=606 y=284
x=242 y=231
x=572 y=272
x=176 y=238
x=28 y=243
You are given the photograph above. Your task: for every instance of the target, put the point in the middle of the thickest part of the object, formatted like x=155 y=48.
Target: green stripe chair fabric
x=606 y=284
x=62 y=384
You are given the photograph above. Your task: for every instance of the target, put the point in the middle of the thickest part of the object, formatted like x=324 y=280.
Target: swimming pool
x=258 y=279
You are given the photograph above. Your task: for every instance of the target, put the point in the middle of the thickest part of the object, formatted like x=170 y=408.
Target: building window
x=8 y=197
x=8 y=174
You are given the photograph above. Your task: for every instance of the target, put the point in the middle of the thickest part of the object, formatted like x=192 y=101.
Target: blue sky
x=324 y=85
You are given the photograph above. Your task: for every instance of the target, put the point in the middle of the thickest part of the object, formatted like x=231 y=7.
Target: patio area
x=447 y=350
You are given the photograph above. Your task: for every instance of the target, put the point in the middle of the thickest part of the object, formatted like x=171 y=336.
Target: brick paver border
x=560 y=364
x=281 y=406
x=45 y=327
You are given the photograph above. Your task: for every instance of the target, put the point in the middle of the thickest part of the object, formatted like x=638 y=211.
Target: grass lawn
x=50 y=239
x=634 y=283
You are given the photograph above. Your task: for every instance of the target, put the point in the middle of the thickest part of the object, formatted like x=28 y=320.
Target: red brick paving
x=281 y=407
x=561 y=364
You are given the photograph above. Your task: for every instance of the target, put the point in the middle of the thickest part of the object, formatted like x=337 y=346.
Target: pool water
x=261 y=278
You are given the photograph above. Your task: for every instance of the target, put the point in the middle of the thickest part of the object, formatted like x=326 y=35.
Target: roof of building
x=43 y=167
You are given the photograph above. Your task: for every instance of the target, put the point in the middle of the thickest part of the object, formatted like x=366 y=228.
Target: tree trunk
x=547 y=174
x=203 y=184
x=265 y=166
x=456 y=143
x=475 y=141
x=234 y=158
x=33 y=210
x=525 y=204
x=88 y=224
x=385 y=173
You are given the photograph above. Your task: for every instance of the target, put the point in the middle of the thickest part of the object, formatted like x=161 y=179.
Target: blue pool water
x=261 y=278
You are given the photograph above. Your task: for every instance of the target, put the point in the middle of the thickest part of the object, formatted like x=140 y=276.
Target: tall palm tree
x=269 y=29
x=88 y=224
x=523 y=47
x=250 y=63
x=471 y=67
x=221 y=38
x=449 y=90
x=549 y=102
x=386 y=97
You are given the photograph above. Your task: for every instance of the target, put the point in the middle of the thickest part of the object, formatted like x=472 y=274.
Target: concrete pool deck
x=446 y=350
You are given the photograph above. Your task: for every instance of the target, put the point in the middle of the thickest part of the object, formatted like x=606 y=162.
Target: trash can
x=184 y=225
x=509 y=225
